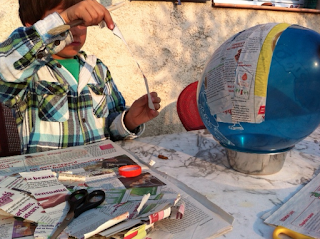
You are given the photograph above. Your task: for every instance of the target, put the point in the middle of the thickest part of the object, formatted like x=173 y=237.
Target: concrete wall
x=171 y=43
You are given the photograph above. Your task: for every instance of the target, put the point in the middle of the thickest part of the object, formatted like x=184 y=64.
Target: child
x=62 y=97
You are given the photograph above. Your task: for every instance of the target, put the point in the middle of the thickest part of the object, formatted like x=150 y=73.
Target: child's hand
x=90 y=11
x=140 y=113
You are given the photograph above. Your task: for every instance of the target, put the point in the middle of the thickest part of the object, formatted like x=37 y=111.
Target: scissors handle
x=282 y=230
x=85 y=201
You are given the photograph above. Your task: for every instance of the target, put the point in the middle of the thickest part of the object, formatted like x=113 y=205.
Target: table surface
x=196 y=159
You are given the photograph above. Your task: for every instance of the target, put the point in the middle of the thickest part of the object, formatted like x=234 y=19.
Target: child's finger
x=155 y=97
x=99 y=13
x=156 y=106
x=90 y=11
x=93 y=14
x=108 y=20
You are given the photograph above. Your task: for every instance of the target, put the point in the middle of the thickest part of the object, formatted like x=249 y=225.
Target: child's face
x=79 y=37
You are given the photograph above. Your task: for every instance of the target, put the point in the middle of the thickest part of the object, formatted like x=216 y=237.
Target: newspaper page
x=21 y=205
x=130 y=202
x=51 y=195
x=201 y=219
x=12 y=228
x=127 y=198
x=301 y=213
x=236 y=76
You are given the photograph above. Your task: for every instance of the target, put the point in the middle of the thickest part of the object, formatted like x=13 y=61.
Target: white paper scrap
x=116 y=31
x=108 y=224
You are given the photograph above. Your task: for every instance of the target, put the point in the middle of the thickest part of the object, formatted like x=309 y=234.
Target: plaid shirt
x=52 y=110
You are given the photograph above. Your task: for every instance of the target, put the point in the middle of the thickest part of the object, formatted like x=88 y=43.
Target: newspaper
x=152 y=205
x=236 y=77
x=301 y=213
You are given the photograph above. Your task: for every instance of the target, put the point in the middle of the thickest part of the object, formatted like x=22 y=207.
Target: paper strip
x=116 y=31
x=107 y=224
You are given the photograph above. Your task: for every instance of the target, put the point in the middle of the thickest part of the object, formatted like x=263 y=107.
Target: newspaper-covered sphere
x=260 y=90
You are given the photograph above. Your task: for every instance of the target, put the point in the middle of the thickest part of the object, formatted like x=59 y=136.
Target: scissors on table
x=282 y=230
x=80 y=201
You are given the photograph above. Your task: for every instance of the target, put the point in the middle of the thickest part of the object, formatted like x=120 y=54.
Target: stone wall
x=171 y=43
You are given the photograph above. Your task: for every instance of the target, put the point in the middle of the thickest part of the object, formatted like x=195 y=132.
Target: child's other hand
x=90 y=11
x=140 y=113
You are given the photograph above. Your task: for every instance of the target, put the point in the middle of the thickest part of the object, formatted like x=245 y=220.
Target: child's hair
x=31 y=11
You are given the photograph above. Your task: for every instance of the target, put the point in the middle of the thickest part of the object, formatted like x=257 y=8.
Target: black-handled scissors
x=80 y=201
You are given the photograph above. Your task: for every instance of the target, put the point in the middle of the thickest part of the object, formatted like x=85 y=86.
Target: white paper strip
x=116 y=31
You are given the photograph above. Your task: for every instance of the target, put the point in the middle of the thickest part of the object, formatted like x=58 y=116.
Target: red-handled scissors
x=80 y=201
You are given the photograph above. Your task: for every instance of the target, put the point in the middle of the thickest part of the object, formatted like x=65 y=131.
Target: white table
x=196 y=159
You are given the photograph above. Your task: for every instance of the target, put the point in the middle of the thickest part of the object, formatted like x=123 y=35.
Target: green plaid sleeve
x=25 y=51
x=29 y=48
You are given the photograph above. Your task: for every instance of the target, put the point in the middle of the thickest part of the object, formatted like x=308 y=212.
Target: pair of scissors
x=282 y=230
x=79 y=202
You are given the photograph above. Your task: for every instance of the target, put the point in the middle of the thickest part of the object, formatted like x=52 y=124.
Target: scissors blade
x=63 y=225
